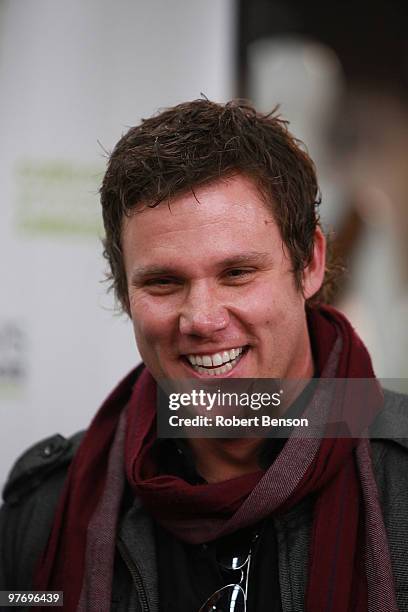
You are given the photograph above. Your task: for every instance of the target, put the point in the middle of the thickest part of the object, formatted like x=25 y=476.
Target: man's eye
x=161 y=284
x=239 y=274
x=159 y=281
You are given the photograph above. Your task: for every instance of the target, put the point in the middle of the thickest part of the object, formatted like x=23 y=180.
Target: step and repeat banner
x=73 y=77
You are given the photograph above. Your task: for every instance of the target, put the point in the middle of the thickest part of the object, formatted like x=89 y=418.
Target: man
x=217 y=255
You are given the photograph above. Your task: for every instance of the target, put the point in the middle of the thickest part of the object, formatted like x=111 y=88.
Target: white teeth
x=218 y=371
x=227 y=367
x=216 y=364
x=217 y=359
x=226 y=356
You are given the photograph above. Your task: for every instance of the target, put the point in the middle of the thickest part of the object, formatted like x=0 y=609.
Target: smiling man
x=217 y=256
x=209 y=274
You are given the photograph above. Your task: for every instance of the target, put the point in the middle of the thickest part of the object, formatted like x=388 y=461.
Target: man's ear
x=313 y=274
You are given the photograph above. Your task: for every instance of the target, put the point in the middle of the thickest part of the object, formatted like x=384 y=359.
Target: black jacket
x=36 y=480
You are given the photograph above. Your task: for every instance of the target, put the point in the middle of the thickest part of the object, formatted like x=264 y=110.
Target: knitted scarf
x=349 y=563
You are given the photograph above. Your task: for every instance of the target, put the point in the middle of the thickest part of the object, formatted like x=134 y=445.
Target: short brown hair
x=196 y=143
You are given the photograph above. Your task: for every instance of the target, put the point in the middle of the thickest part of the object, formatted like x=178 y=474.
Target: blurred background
x=75 y=75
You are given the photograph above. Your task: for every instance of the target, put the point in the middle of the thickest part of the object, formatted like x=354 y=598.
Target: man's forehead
x=218 y=202
x=224 y=223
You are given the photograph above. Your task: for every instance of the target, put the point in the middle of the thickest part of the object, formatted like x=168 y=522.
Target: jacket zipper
x=136 y=576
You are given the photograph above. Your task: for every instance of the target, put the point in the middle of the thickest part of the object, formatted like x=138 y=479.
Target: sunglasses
x=232 y=597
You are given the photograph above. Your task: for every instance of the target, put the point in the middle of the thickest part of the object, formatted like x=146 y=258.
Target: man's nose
x=202 y=313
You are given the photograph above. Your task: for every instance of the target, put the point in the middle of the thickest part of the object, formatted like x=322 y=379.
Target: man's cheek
x=147 y=332
x=259 y=314
x=152 y=330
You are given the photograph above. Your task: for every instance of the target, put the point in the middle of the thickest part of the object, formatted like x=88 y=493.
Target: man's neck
x=218 y=459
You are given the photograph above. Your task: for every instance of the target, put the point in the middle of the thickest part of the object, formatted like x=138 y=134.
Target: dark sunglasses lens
x=229 y=599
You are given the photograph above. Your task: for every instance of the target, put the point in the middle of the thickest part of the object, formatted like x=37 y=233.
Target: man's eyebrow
x=142 y=271
x=251 y=257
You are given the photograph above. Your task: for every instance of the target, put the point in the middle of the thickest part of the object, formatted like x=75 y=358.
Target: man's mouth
x=216 y=364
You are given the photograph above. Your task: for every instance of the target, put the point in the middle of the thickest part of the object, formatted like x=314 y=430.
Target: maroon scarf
x=330 y=469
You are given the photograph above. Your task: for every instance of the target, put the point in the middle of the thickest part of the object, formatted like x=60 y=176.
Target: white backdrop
x=72 y=74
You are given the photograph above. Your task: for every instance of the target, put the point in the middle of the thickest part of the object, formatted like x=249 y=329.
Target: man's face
x=211 y=291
